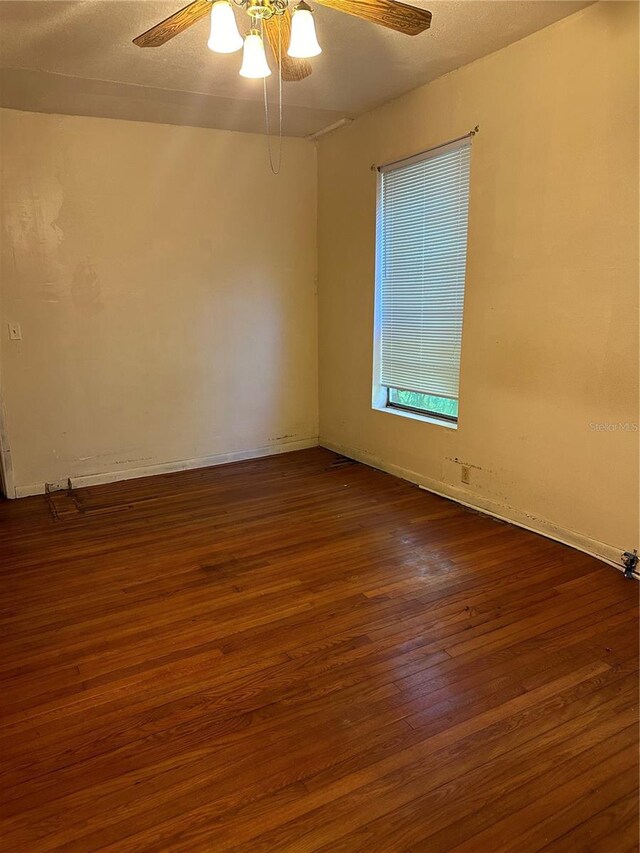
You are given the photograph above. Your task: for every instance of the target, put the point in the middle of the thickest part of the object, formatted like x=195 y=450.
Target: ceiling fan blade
x=174 y=24
x=292 y=69
x=389 y=13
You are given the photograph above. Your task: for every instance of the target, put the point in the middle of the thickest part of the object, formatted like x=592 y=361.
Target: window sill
x=414 y=416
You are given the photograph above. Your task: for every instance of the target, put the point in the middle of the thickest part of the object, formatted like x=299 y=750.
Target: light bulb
x=254 y=61
x=304 y=42
x=224 y=37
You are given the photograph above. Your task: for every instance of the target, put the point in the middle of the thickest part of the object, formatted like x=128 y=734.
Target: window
x=421 y=247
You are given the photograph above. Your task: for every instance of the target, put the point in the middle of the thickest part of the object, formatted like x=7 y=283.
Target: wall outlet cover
x=15 y=332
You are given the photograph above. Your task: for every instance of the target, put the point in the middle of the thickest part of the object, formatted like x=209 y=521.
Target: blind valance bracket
x=382 y=166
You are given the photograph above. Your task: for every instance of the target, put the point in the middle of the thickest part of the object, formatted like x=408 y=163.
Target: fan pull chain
x=275 y=170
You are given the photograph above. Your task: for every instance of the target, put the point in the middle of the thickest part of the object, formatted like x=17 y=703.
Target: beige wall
x=157 y=330
x=164 y=280
x=551 y=311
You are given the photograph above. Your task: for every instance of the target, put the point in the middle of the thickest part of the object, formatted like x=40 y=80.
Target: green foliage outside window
x=427 y=403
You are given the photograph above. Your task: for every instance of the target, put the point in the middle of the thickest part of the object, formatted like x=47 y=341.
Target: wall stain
x=85 y=288
x=466 y=464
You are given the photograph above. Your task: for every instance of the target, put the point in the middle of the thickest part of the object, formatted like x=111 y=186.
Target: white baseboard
x=7 y=486
x=168 y=467
x=601 y=551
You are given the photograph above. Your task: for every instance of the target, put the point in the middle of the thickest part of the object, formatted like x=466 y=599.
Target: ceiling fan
x=275 y=18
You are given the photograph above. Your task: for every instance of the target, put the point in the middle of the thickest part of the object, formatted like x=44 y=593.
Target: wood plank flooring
x=300 y=653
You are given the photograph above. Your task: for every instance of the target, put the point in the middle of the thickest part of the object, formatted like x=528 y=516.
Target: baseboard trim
x=601 y=551
x=170 y=467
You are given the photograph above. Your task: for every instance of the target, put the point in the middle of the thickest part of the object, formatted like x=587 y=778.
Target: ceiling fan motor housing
x=265 y=9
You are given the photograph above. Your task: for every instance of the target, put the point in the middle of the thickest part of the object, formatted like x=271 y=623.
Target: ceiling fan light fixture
x=225 y=36
x=304 y=42
x=254 y=60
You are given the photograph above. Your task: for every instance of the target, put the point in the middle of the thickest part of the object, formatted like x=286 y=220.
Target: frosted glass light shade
x=304 y=42
x=224 y=37
x=254 y=61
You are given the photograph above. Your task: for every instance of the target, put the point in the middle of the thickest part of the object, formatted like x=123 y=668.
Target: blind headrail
x=384 y=166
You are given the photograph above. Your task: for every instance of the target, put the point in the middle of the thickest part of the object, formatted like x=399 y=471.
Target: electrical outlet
x=465 y=474
x=57 y=486
x=15 y=332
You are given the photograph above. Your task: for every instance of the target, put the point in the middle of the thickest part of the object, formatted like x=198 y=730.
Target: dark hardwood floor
x=300 y=653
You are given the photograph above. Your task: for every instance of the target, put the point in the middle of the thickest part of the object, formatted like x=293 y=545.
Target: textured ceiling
x=77 y=58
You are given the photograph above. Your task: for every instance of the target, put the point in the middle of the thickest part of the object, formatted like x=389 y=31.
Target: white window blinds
x=422 y=245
